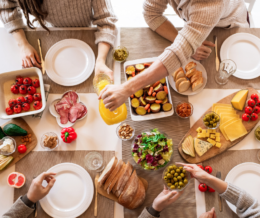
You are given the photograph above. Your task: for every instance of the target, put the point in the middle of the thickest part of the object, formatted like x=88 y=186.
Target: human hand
x=196 y=172
x=102 y=68
x=30 y=57
x=203 y=51
x=37 y=191
x=209 y=214
x=114 y=96
x=165 y=198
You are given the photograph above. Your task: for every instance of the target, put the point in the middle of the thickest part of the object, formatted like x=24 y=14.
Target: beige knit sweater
x=67 y=13
x=201 y=17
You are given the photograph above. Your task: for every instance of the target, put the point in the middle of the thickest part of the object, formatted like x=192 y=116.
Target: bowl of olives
x=176 y=177
x=211 y=120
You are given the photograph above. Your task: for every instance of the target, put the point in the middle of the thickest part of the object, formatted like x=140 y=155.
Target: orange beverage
x=110 y=117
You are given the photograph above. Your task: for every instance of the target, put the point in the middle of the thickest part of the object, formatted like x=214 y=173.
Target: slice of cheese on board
x=201 y=147
x=227 y=116
x=222 y=126
x=220 y=105
x=235 y=130
x=226 y=110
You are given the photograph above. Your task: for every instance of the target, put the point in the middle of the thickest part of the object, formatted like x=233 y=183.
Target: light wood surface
x=30 y=146
x=225 y=144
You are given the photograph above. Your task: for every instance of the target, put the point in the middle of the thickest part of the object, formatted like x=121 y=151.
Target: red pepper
x=68 y=134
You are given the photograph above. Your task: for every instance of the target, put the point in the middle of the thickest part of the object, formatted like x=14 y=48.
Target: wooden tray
x=224 y=143
x=30 y=146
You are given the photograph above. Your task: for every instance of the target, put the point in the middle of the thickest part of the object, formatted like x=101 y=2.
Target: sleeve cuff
x=231 y=194
x=155 y=23
x=14 y=25
x=170 y=61
x=146 y=214
x=105 y=37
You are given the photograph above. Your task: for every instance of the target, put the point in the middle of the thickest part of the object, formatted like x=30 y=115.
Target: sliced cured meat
x=71 y=97
x=73 y=114
x=83 y=113
x=64 y=116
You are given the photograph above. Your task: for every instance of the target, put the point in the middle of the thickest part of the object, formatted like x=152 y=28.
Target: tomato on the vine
x=15 y=89
x=208 y=169
x=245 y=117
x=12 y=102
x=9 y=111
x=26 y=107
x=201 y=167
x=251 y=103
x=254 y=117
x=17 y=109
x=210 y=189
x=203 y=187
x=249 y=110
x=255 y=97
x=257 y=110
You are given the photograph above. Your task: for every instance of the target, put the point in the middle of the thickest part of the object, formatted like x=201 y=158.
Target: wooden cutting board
x=224 y=143
x=30 y=146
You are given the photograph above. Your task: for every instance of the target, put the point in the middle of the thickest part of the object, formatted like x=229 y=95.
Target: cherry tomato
x=251 y=103
x=28 y=99
x=27 y=81
x=37 y=105
x=22 y=149
x=37 y=97
x=203 y=187
x=210 y=189
x=208 y=169
x=9 y=111
x=255 y=97
x=258 y=102
x=36 y=83
x=26 y=107
x=15 y=89
x=12 y=102
x=31 y=90
x=254 y=117
x=248 y=110
x=245 y=117
x=23 y=89
x=201 y=167
x=257 y=110
x=20 y=100
x=17 y=109
x=19 y=80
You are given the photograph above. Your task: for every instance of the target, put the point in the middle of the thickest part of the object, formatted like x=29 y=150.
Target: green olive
x=182 y=175
x=172 y=172
x=183 y=171
x=176 y=184
x=181 y=184
x=178 y=171
x=176 y=174
x=181 y=168
x=175 y=179
x=179 y=187
x=179 y=178
x=169 y=184
x=185 y=181
x=168 y=174
x=170 y=167
x=172 y=187
x=165 y=178
x=174 y=167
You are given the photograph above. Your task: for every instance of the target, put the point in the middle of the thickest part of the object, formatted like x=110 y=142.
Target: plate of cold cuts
x=68 y=109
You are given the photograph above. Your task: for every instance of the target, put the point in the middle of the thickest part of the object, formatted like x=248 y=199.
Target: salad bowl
x=152 y=149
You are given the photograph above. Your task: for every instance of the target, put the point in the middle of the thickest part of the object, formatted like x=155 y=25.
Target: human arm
x=24 y=205
x=101 y=67
x=163 y=200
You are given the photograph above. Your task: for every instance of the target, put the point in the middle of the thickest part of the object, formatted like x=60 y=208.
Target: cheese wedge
x=201 y=147
x=221 y=105
x=235 y=130
x=187 y=146
x=222 y=126
x=239 y=99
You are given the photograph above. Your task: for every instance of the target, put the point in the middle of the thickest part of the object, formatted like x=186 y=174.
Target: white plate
x=247 y=177
x=69 y=62
x=199 y=67
x=71 y=194
x=244 y=50
x=150 y=116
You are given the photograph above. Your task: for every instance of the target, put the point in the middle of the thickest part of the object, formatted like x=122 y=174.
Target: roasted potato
x=139 y=67
x=167 y=107
x=155 y=108
x=142 y=101
x=130 y=70
x=139 y=93
x=135 y=103
x=161 y=95
x=150 y=99
x=158 y=88
x=140 y=110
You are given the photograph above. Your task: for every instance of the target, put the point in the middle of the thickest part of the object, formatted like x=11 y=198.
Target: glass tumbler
x=94 y=161
x=226 y=69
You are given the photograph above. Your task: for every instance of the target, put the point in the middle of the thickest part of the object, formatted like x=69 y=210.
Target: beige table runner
x=224 y=163
x=41 y=161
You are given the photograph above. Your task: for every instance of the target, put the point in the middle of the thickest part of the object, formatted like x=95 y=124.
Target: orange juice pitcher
x=110 y=117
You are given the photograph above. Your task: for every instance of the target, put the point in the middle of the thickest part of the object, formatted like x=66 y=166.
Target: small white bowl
x=2 y=141
x=49 y=134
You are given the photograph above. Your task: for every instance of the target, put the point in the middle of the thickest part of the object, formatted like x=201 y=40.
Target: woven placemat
x=47 y=41
x=224 y=163
x=40 y=161
x=173 y=126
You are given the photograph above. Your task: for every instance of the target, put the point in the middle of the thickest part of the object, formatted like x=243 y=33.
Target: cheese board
x=238 y=127
x=30 y=145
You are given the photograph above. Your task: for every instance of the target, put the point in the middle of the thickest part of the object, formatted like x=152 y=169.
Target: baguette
x=190 y=73
x=121 y=171
x=179 y=81
x=196 y=76
x=180 y=74
x=175 y=73
x=113 y=174
x=139 y=197
x=190 y=66
x=107 y=171
x=184 y=86
x=130 y=190
x=196 y=85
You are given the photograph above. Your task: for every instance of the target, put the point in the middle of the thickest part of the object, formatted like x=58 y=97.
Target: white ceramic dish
x=244 y=50
x=189 y=91
x=71 y=194
x=7 y=76
x=247 y=177
x=57 y=116
x=70 y=62
x=150 y=116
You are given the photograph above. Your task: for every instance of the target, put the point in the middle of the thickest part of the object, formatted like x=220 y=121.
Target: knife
x=216 y=51
x=43 y=63
x=219 y=198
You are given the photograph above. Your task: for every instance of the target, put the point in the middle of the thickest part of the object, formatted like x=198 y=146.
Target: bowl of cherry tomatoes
x=21 y=93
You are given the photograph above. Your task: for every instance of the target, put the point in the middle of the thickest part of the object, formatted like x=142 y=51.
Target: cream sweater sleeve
x=11 y=15
x=105 y=19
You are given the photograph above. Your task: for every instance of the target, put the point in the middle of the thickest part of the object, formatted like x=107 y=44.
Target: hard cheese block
x=201 y=147
x=239 y=99
x=235 y=130
x=222 y=126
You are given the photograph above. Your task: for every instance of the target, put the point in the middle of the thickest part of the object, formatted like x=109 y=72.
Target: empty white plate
x=199 y=67
x=71 y=194
x=247 y=177
x=69 y=62
x=244 y=50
